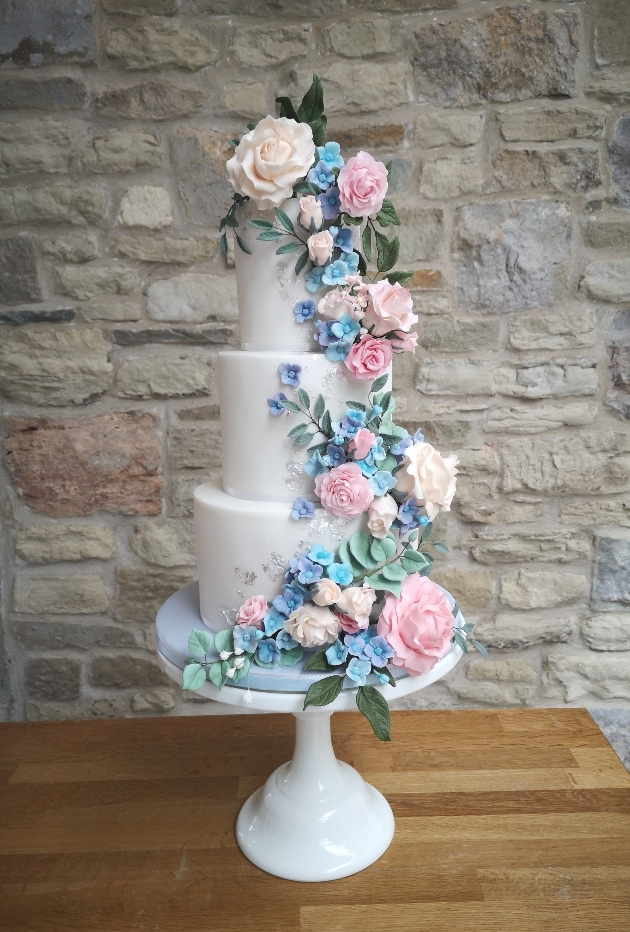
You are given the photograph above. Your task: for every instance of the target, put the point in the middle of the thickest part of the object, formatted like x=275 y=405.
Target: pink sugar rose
x=391 y=308
x=344 y=491
x=362 y=185
x=418 y=625
x=368 y=358
x=252 y=612
x=404 y=342
x=361 y=444
x=348 y=624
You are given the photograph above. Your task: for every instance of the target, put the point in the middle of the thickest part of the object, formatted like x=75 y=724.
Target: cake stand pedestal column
x=315 y=818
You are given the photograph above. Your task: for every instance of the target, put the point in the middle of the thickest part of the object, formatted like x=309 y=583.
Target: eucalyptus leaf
x=200 y=643
x=378 y=383
x=460 y=640
x=286 y=109
x=194 y=676
x=468 y=626
x=286 y=248
x=480 y=648
x=289 y=658
x=320 y=407
x=285 y=220
x=327 y=424
x=388 y=464
x=426 y=532
x=356 y=406
x=439 y=546
x=323 y=692
x=291 y=406
x=345 y=555
x=319 y=447
x=455 y=611
x=414 y=556
x=385 y=403
x=298 y=430
x=375 y=708
x=242 y=244
x=261 y=224
x=224 y=244
x=302 y=260
x=303 y=441
x=304 y=397
x=269 y=236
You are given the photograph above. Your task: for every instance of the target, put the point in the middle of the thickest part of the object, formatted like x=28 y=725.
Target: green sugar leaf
x=217 y=674
x=377 y=550
x=374 y=707
x=291 y=406
x=289 y=658
x=224 y=640
x=270 y=236
x=327 y=424
x=242 y=671
x=320 y=407
x=304 y=398
x=398 y=277
x=261 y=224
x=200 y=643
x=302 y=260
x=297 y=431
x=242 y=244
x=480 y=648
x=194 y=676
x=285 y=220
x=318 y=661
x=303 y=441
x=359 y=545
x=286 y=247
x=356 y=406
x=318 y=127
x=366 y=240
x=439 y=546
x=378 y=384
x=323 y=692
x=394 y=572
x=312 y=105
x=286 y=109
x=387 y=215
x=378 y=581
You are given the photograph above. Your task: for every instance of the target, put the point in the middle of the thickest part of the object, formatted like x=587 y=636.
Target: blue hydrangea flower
x=341 y=573
x=356 y=644
x=418 y=436
x=289 y=373
x=302 y=509
x=407 y=518
x=314 y=277
x=351 y=260
x=382 y=482
x=335 y=273
x=337 y=351
x=423 y=521
x=290 y=599
x=342 y=238
x=351 y=423
x=378 y=651
x=338 y=440
x=319 y=554
x=246 y=638
x=309 y=572
x=382 y=678
x=346 y=329
x=330 y=153
x=358 y=670
x=315 y=466
x=322 y=332
x=304 y=310
x=375 y=412
x=268 y=651
x=275 y=407
x=321 y=175
x=336 y=653
x=335 y=454
x=329 y=201
x=376 y=453
x=285 y=641
x=368 y=469
x=397 y=449
x=273 y=621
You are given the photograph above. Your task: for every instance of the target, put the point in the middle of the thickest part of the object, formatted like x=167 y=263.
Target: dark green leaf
x=298 y=430
x=305 y=187
x=304 y=398
x=291 y=406
x=194 y=676
x=231 y=222
x=388 y=166
x=323 y=692
x=320 y=447
x=318 y=662
x=287 y=247
x=401 y=277
x=385 y=403
x=312 y=105
x=378 y=384
x=440 y=547
x=375 y=709
x=318 y=127
x=320 y=407
x=242 y=244
x=366 y=239
x=455 y=611
x=303 y=441
x=480 y=648
x=251 y=126
x=426 y=533
x=302 y=260
x=224 y=244
x=287 y=109
x=468 y=626
x=289 y=658
x=327 y=424
x=387 y=215
x=387 y=252
x=352 y=221
x=285 y=220
x=362 y=264
x=261 y=224
x=234 y=142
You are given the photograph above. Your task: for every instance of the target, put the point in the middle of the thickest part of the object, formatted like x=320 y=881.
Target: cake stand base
x=315 y=818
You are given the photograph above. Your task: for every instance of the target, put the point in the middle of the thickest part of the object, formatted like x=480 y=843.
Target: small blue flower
x=330 y=154
x=356 y=644
x=346 y=329
x=397 y=449
x=319 y=554
x=358 y=670
x=338 y=440
x=336 y=654
x=368 y=469
x=376 y=453
x=351 y=260
x=382 y=482
x=302 y=509
x=290 y=599
x=342 y=238
x=314 y=277
x=309 y=572
x=407 y=518
x=336 y=454
x=304 y=310
x=375 y=412
x=337 y=352
x=246 y=638
x=268 y=651
x=315 y=466
x=351 y=423
x=285 y=641
x=418 y=436
x=273 y=621
x=378 y=651
x=289 y=373
x=382 y=678
x=423 y=521
x=321 y=175
x=335 y=272
x=275 y=407
x=340 y=573
x=329 y=201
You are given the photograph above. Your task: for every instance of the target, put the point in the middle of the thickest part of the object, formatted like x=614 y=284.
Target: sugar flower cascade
x=368 y=611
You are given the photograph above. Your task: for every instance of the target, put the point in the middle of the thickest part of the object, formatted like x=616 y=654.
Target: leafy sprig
x=310 y=110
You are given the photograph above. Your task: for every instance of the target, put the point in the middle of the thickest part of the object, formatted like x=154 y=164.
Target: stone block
x=608 y=232
x=449 y=129
x=55 y=543
x=492 y=547
x=151 y=100
x=193 y=298
x=113 y=311
x=76 y=204
x=58 y=315
x=260 y=46
x=361 y=87
x=609 y=84
x=531 y=589
x=213 y=335
x=611 y=583
x=60 y=93
x=124 y=670
x=54 y=366
x=140 y=592
x=165 y=542
x=455 y=376
x=43 y=32
x=425 y=278
x=59 y=595
x=159 y=45
x=612 y=32
x=122 y=151
x=64 y=635
x=515 y=632
x=245 y=98
x=559 y=170
x=619 y=155
x=451 y=176
x=388 y=136
x=503 y=671
x=89 y=281
x=482 y=693
x=59 y=468
x=163 y=377
x=421 y=234
x=53 y=678
x=549 y=124
x=607 y=280
x=194 y=446
x=73 y=711
x=471 y=588
x=510 y=255
x=28 y=146
x=18 y=271
x=564 y=329
x=459 y=335
x=610 y=631
x=513 y=53
x=401 y=173
x=480 y=377
x=182 y=492
x=482 y=510
x=153 y=700
x=145 y=205
x=360 y=38
x=574 y=678
x=164 y=249
x=199 y=156
x=142 y=7
x=597 y=512
x=536 y=419
x=72 y=247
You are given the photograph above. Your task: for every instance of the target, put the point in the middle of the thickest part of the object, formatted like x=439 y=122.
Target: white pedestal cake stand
x=315 y=818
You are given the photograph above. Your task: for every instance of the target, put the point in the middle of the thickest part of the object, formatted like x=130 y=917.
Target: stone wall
x=509 y=129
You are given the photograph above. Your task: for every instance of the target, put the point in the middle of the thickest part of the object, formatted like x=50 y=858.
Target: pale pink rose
x=335 y=304
x=418 y=625
x=362 y=185
x=312 y=626
x=391 y=308
x=361 y=444
x=320 y=247
x=310 y=212
x=327 y=592
x=252 y=612
x=404 y=342
x=368 y=358
x=344 y=491
x=429 y=477
x=357 y=602
x=381 y=515
x=348 y=624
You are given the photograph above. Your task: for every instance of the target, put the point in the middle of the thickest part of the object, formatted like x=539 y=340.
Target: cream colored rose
x=335 y=304
x=311 y=626
x=327 y=592
x=270 y=159
x=429 y=477
x=391 y=308
x=357 y=603
x=310 y=212
x=320 y=247
x=381 y=514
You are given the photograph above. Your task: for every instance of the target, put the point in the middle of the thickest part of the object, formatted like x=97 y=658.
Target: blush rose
x=381 y=513
x=320 y=247
x=312 y=626
x=391 y=308
x=368 y=358
x=418 y=625
x=310 y=212
x=429 y=477
x=344 y=491
x=252 y=612
x=362 y=185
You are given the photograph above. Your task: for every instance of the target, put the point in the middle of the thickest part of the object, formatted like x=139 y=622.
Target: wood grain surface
x=505 y=820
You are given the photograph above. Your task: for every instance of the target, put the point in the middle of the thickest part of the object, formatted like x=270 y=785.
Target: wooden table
x=505 y=820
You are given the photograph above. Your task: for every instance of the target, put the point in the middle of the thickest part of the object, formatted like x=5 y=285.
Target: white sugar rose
x=270 y=159
x=381 y=514
x=429 y=477
x=390 y=308
x=357 y=603
x=335 y=304
x=312 y=626
x=320 y=247
x=310 y=212
x=327 y=592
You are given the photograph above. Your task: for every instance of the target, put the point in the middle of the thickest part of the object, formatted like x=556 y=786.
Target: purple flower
x=302 y=509
x=336 y=455
x=329 y=201
x=275 y=407
x=289 y=373
x=322 y=332
x=408 y=512
x=351 y=423
x=290 y=599
x=397 y=449
x=309 y=572
x=304 y=310
x=321 y=175
x=378 y=651
x=356 y=644
x=268 y=651
x=342 y=238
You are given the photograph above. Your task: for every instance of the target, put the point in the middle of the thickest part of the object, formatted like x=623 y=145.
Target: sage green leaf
x=366 y=240
x=377 y=550
x=345 y=555
x=426 y=533
x=261 y=224
x=320 y=407
x=318 y=661
x=285 y=220
x=312 y=105
x=415 y=556
x=327 y=424
x=303 y=441
x=394 y=571
x=376 y=710
x=378 y=581
x=388 y=464
x=480 y=648
x=455 y=612
x=304 y=398
x=378 y=384
x=385 y=403
x=242 y=671
x=468 y=626
x=194 y=676
x=440 y=547
x=299 y=265
x=460 y=640
x=291 y=406
x=413 y=537
x=242 y=244
x=269 y=236
x=224 y=244
x=286 y=108
x=297 y=431
x=287 y=247
x=323 y=692
x=359 y=545
x=224 y=640
x=389 y=546
x=356 y=406
x=200 y=642
x=267 y=666
x=289 y=658
x=320 y=447
x=217 y=674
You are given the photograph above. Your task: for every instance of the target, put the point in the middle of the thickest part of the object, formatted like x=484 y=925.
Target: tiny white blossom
x=238 y=663
x=225 y=654
x=247 y=698
x=238 y=651
x=230 y=673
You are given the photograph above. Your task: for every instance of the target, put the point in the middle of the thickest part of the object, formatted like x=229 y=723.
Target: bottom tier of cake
x=243 y=548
